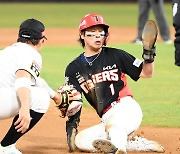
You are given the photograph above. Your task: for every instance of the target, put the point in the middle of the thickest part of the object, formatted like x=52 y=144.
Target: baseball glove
x=71 y=100
x=149 y=36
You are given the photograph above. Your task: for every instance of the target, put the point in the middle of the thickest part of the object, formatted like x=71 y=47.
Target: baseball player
x=176 y=24
x=100 y=74
x=23 y=94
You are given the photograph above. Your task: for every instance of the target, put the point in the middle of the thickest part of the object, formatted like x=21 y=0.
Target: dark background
x=73 y=1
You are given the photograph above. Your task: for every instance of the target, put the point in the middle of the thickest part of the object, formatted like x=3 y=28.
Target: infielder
x=100 y=74
x=23 y=94
x=176 y=24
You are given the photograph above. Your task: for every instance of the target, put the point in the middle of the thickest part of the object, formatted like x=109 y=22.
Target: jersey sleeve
x=130 y=65
x=30 y=61
x=70 y=77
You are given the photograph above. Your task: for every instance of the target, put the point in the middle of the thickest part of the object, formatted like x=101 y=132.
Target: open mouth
x=98 y=42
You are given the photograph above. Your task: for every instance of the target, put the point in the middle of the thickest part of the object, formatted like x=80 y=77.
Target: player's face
x=94 y=37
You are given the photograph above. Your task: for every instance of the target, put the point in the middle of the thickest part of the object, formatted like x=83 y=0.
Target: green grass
x=159 y=96
x=70 y=14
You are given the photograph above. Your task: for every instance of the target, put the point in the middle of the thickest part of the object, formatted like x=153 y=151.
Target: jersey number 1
x=112 y=89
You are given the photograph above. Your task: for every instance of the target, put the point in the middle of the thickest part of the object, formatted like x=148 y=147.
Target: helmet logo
x=96 y=18
x=82 y=23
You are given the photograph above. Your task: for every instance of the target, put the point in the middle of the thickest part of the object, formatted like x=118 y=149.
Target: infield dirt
x=69 y=36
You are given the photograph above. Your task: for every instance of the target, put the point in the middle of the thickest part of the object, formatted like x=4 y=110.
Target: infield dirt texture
x=49 y=136
x=69 y=36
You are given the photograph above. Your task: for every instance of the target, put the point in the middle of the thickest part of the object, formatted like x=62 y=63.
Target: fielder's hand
x=71 y=100
x=149 y=36
x=65 y=93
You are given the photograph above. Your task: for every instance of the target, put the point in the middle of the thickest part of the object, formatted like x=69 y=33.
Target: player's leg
x=40 y=101
x=138 y=143
x=122 y=121
x=84 y=139
x=158 y=9
x=131 y=110
x=9 y=105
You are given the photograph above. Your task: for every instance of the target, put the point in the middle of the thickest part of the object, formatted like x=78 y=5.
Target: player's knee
x=84 y=143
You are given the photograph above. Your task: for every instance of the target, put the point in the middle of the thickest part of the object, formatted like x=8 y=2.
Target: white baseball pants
x=9 y=104
x=117 y=125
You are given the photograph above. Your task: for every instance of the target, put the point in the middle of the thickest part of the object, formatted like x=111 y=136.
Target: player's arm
x=40 y=82
x=22 y=86
x=149 y=36
x=147 y=70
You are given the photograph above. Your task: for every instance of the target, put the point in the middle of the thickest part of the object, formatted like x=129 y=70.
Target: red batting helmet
x=92 y=20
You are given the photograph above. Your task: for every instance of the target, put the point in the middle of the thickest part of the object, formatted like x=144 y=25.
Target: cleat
x=11 y=149
x=149 y=35
x=104 y=146
x=138 y=143
x=137 y=41
x=168 y=42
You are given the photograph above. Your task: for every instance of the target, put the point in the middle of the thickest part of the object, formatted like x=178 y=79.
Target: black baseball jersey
x=104 y=81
